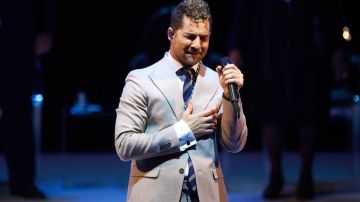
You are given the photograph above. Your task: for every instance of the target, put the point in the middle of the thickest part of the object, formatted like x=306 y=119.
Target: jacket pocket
x=153 y=173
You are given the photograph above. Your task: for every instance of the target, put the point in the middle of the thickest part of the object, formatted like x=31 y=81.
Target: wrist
x=226 y=96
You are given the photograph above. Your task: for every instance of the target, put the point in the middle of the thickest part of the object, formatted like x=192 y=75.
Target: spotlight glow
x=346 y=33
x=37 y=99
x=356 y=98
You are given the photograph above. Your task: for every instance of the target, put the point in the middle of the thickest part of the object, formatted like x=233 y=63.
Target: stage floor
x=85 y=177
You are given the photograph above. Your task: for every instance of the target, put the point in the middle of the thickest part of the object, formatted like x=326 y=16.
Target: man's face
x=190 y=42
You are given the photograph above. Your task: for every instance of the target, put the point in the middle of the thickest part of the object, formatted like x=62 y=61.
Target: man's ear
x=170 y=32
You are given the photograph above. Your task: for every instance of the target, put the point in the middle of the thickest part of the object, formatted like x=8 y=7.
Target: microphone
x=234 y=94
x=234 y=97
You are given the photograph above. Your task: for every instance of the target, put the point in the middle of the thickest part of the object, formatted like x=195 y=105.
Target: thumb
x=219 y=70
x=189 y=108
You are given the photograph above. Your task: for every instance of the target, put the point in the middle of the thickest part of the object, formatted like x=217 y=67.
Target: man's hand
x=230 y=74
x=201 y=123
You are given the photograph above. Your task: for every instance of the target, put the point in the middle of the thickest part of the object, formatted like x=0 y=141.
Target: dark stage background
x=96 y=44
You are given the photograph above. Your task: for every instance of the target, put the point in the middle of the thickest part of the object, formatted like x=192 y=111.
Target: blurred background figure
x=345 y=74
x=82 y=106
x=155 y=26
x=345 y=94
x=281 y=44
x=25 y=38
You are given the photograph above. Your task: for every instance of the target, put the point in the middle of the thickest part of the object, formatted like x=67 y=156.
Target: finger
x=227 y=81
x=208 y=119
x=239 y=83
x=210 y=126
x=215 y=118
x=189 y=108
x=213 y=126
x=229 y=76
x=229 y=67
x=236 y=77
x=219 y=70
x=207 y=112
x=231 y=73
x=208 y=131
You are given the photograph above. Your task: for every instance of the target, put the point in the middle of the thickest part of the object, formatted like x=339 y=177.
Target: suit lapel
x=165 y=79
x=206 y=82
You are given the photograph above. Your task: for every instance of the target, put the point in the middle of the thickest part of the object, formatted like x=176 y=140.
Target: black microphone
x=234 y=94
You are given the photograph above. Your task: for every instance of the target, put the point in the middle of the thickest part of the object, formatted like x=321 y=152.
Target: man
x=168 y=137
x=23 y=38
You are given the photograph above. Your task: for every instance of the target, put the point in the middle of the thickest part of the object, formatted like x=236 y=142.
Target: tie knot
x=188 y=72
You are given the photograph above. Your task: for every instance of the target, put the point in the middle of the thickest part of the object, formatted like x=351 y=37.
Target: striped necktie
x=187 y=92
x=188 y=85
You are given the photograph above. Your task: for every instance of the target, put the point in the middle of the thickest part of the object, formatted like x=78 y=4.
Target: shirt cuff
x=185 y=135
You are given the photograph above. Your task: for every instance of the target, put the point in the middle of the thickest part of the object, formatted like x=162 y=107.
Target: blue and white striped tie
x=187 y=92
x=188 y=86
x=191 y=175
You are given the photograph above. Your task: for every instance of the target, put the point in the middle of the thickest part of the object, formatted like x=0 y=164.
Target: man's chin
x=192 y=59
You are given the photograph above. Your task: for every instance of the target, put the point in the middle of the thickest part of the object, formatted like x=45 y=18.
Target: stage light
x=346 y=33
x=356 y=98
x=37 y=99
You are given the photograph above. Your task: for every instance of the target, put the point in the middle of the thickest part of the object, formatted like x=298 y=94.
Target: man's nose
x=196 y=44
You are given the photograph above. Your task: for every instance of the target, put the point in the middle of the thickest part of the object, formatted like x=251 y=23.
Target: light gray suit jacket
x=150 y=104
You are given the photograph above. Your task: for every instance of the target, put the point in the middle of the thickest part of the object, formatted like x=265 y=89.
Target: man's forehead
x=189 y=23
x=189 y=20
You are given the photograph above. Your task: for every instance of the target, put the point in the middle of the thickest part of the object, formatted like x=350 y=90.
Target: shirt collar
x=177 y=65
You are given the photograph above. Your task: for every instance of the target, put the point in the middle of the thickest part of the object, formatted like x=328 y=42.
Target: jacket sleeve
x=134 y=137
x=233 y=131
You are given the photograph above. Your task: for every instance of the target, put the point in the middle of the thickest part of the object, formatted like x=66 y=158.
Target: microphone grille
x=226 y=60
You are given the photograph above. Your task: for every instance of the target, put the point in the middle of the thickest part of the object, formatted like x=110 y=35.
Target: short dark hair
x=196 y=10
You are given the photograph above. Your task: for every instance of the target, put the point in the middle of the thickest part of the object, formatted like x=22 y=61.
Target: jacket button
x=181 y=171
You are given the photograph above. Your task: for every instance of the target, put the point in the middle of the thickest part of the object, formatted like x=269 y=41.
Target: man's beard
x=190 y=60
